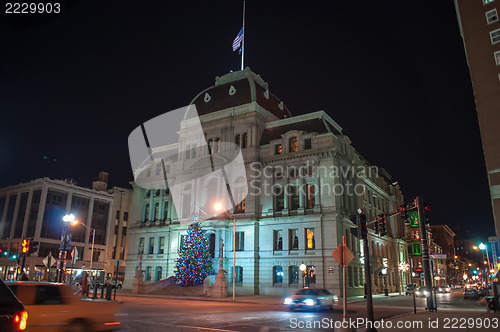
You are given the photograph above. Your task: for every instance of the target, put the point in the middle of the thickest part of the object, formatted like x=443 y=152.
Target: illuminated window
x=497 y=58
x=146 y=212
x=148 y=274
x=293 y=239
x=310 y=242
x=294 y=146
x=495 y=36
x=491 y=16
x=277 y=275
x=416 y=248
x=277 y=149
x=278 y=240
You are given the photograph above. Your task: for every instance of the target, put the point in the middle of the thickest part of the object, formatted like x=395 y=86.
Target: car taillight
x=20 y=320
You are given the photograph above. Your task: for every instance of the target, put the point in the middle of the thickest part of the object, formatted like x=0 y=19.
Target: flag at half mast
x=237 y=41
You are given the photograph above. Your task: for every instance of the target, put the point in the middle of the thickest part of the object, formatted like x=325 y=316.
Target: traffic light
x=377 y=228
x=403 y=212
x=383 y=225
x=363 y=227
x=33 y=247
x=25 y=246
x=427 y=213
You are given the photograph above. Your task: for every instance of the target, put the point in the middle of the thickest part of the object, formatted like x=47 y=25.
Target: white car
x=311 y=298
x=54 y=307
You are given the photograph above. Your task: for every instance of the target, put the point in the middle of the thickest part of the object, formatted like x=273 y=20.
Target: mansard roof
x=317 y=122
x=239 y=88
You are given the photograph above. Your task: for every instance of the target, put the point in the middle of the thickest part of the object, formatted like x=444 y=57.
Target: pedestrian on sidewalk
x=85 y=283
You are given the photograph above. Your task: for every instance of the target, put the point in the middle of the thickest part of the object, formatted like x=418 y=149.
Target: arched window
x=158 y=273
x=244 y=140
x=294 y=145
x=237 y=140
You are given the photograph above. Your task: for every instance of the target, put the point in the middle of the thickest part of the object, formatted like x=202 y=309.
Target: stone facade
x=324 y=181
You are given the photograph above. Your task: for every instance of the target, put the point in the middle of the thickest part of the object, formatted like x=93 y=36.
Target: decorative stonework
x=232 y=90
x=207 y=97
x=266 y=94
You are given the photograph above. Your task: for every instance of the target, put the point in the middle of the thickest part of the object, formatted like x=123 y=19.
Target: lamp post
x=217 y=207
x=482 y=246
x=302 y=268
x=62 y=253
x=76 y=222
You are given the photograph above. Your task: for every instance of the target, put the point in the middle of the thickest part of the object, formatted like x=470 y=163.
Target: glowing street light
x=302 y=268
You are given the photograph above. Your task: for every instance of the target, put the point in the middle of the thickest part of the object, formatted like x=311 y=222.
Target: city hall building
x=304 y=180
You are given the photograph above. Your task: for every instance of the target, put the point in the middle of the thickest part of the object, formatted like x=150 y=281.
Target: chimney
x=102 y=182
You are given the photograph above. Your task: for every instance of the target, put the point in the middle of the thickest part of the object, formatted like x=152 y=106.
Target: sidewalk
x=439 y=321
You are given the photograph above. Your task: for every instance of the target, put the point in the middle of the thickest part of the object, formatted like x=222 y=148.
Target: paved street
x=160 y=313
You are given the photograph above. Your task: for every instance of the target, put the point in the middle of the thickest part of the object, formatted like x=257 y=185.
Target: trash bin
x=490 y=302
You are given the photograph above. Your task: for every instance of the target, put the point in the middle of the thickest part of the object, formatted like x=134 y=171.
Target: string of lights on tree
x=194 y=263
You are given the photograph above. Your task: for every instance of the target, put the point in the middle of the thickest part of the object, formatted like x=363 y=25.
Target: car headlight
x=417 y=292
x=426 y=293
x=309 y=302
x=288 y=300
x=448 y=289
x=335 y=298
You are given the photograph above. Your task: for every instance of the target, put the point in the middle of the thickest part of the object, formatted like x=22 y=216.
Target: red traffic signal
x=25 y=245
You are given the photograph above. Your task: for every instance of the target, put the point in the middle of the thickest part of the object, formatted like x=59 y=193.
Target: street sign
x=48 y=259
x=338 y=254
x=437 y=256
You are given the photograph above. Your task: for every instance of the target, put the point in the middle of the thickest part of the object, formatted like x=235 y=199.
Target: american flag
x=237 y=41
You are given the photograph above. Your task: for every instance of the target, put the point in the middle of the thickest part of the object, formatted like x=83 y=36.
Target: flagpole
x=243 y=40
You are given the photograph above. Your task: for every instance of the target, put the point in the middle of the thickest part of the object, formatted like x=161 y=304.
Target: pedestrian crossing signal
x=25 y=245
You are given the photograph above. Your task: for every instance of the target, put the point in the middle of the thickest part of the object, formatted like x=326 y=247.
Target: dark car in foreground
x=13 y=315
x=311 y=298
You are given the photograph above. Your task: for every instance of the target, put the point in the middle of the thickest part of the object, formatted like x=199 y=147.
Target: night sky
x=392 y=73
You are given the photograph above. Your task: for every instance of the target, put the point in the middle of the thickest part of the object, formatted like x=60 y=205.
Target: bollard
x=108 y=292
x=94 y=295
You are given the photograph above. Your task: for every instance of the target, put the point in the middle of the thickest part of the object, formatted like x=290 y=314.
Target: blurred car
x=443 y=289
x=409 y=289
x=13 y=315
x=471 y=293
x=114 y=283
x=54 y=307
x=311 y=298
x=422 y=292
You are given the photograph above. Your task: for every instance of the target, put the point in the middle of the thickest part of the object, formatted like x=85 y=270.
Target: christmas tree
x=194 y=263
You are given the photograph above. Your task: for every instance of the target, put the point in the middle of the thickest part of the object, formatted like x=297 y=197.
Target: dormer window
x=307 y=144
x=244 y=140
x=216 y=145
x=294 y=146
x=210 y=146
x=278 y=149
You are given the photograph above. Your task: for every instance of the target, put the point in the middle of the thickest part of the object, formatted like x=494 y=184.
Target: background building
x=35 y=210
x=276 y=232
x=480 y=29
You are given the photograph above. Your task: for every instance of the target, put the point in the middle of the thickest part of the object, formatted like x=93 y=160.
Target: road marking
x=186 y=326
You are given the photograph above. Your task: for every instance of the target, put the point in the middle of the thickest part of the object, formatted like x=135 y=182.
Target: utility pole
x=431 y=306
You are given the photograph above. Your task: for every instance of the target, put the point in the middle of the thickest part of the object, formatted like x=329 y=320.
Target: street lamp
x=302 y=268
x=76 y=222
x=218 y=207
x=403 y=267
x=62 y=253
